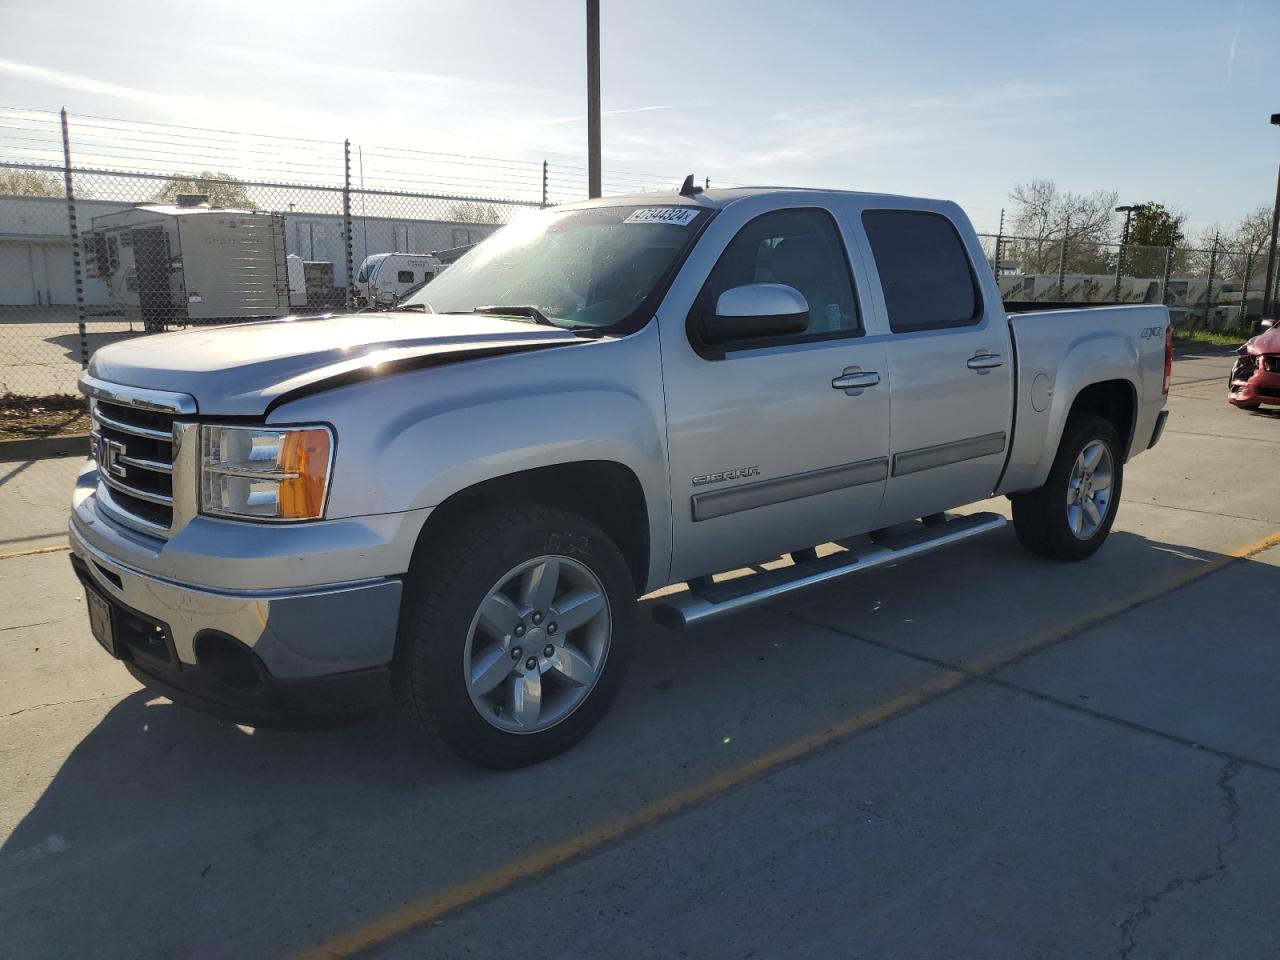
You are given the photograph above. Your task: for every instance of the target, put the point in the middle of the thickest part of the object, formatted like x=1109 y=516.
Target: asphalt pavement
x=976 y=754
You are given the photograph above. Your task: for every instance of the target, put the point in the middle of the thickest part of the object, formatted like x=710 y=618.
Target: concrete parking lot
x=40 y=347
x=977 y=754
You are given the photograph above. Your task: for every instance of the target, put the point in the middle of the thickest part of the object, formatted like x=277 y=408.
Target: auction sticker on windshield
x=678 y=216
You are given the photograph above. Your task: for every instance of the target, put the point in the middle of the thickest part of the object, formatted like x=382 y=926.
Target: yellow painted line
x=34 y=550
x=433 y=906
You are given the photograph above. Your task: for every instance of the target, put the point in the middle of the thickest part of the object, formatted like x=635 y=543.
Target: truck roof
x=720 y=197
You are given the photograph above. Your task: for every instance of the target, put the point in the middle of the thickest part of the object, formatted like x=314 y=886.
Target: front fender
x=413 y=439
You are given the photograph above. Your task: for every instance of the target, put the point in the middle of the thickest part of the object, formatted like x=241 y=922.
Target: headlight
x=260 y=473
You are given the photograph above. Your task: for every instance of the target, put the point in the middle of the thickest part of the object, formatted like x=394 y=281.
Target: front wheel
x=1070 y=516
x=516 y=634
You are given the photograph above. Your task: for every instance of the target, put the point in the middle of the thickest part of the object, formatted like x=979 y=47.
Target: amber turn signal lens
x=304 y=459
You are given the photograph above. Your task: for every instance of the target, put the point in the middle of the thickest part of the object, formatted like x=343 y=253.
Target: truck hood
x=244 y=370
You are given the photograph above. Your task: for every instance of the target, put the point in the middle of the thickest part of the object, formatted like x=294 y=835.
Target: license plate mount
x=100 y=620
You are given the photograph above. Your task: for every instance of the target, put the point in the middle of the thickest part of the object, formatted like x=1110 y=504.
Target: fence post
x=1244 y=290
x=75 y=240
x=1119 y=269
x=1062 y=261
x=346 y=220
x=1168 y=268
x=544 y=184
x=1208 y=293
x=999 y=244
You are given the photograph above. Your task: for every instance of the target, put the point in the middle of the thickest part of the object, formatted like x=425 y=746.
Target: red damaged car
x=1255 y=378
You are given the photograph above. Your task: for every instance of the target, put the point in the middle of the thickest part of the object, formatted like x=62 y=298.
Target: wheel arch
x=1038 y=434
x=1116 y=401
x=605 y=492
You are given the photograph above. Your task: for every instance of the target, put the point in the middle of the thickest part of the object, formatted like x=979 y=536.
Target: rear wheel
x=1070 y=516
x=517 y=631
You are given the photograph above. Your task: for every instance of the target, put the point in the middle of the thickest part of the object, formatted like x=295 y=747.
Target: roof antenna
x=687 y=189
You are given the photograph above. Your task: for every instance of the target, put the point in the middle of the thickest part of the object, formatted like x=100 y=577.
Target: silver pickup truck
x=459 y=502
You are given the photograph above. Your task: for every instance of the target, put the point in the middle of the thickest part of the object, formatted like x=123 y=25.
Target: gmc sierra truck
x=458 y=503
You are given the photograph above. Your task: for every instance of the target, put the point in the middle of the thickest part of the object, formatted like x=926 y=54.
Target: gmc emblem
x=108 y=453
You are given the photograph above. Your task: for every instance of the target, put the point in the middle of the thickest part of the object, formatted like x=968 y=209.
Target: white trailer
x=175 y=264
x=385 y=278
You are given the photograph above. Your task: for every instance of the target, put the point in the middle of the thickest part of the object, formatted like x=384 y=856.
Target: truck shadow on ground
x=157 y=796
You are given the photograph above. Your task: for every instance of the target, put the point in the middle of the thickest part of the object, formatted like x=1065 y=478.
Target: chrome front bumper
x=295 y=633
x=296 y=630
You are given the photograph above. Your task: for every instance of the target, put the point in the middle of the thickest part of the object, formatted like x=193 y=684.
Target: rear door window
x=925 y=273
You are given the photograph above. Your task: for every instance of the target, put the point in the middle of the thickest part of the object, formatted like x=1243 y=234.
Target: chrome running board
x=695 y=608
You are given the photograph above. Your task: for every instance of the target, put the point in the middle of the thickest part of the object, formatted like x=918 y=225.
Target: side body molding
x=939 y=455
x=719 y=503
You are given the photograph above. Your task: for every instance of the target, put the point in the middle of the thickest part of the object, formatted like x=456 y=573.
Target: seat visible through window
x=799 y=248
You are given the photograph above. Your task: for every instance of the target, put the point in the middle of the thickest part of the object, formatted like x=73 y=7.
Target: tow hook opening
x=230 y=662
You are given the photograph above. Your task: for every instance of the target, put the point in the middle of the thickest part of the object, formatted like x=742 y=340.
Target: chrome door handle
x=985 y=361
x=856 y=381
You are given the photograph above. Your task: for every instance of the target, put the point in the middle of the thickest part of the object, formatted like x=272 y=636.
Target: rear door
x=767 y=455
x=949 y=360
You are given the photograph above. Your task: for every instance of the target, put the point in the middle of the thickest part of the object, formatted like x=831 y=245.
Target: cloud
x=838 y=140
x=80 y=84
x=605 y=113
x=373 y=75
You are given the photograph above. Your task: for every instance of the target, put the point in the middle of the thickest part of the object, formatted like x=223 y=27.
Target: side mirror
x=757 y=310
x=1268 y=323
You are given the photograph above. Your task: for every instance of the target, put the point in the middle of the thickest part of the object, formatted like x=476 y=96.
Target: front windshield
x=588 y=268
x=370 y=266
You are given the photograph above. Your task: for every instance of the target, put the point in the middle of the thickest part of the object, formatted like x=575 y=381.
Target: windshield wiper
x=518 y=310
x=413 y=306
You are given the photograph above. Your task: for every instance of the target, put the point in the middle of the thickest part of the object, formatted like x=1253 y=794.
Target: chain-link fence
x=111 y=229
x=1219 y=289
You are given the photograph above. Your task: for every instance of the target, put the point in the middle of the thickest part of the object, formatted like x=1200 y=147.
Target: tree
x=1043 y=215
x=472 y=212
x=1242 y=245
x=222 y=189
x=30 y=183
x=1153 y=230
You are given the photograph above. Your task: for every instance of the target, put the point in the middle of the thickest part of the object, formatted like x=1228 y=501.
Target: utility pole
x=593 y=98
x=1269 y=289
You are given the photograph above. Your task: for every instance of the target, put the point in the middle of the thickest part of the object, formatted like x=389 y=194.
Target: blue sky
x=1162 y=101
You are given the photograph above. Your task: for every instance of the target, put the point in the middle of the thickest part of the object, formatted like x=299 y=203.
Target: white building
x=35 y=245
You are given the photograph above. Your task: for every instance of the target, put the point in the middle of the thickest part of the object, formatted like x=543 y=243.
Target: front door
x=766 y=454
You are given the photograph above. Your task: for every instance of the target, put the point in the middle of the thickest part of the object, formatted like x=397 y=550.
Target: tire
x=1043 y=518
x=447 y=652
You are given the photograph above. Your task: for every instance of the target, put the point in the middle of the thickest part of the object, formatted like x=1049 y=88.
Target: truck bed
x=1058 y=352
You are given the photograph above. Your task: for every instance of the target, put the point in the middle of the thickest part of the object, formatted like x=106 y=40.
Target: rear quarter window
x=925 y=273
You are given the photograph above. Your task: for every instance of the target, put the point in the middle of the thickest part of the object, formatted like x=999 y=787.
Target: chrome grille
x=136 y=442
x=134 y=451
x=1271 y=364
